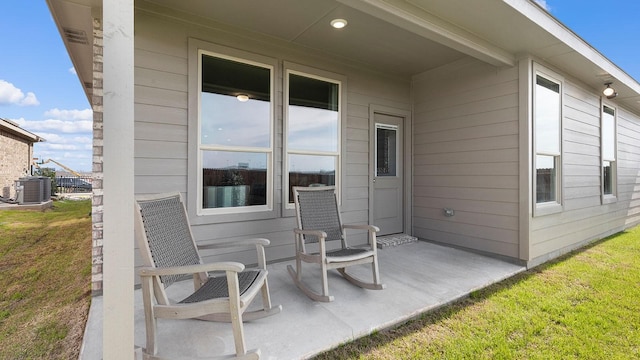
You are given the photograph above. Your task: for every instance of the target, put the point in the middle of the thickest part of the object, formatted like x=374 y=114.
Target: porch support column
x=118 y=247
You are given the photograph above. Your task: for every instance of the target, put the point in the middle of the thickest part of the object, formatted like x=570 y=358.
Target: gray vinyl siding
x=466 y=156
x=629 y=166
x=162 y=124
x=584 y=216
x=465 y=121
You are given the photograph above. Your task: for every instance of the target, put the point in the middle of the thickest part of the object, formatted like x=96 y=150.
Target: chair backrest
x=317 y=209
x=164 y=234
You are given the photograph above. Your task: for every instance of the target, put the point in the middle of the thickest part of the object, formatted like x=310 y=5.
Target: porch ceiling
x=366 y=40
x=408 y=37
x=397 y=37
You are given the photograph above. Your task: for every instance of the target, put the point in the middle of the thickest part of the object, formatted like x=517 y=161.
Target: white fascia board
x=11 y=127
x=554 y=27
x=420 y=22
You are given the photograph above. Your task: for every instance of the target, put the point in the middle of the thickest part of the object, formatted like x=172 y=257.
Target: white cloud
x=56 y=113
x=50 y=137
x=60 y=146
x=56 y=126
x=60 y=141
x=11 y=95
x=544 y=4
x=71 y=150
x=30 y=100
x=68 y=135
x=76 y=155
x=72 y=70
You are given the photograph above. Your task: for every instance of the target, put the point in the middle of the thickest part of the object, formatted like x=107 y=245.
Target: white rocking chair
x=170 y=254
x=318 y=222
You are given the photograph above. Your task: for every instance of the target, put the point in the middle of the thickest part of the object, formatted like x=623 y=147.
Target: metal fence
x=72 y=184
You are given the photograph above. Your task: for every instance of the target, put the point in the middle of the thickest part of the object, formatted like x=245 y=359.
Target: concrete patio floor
x=420 y=276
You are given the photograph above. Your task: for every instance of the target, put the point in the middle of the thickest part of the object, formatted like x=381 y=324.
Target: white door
x=388 y=190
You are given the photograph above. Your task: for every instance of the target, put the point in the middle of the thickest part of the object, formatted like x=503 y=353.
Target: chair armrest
x=235 y=243
x=317 y=233
x=192 y=269
x=370 y=228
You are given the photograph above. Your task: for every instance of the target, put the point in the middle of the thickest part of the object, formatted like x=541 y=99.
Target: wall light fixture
x=609 y=92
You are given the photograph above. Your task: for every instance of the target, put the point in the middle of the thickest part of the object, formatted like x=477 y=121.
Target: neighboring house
x=479 y=124
x=16 y=155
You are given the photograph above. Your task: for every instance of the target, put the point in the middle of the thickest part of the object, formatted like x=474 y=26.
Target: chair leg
x=376 y=273
x=375 y=285
x=299 y=268
x=311 y=294
x=238 y=331
x=266 y=297
x=236 y=314
x=150 y=320
x=325 y=282
x=267 y=308
x=151 y=325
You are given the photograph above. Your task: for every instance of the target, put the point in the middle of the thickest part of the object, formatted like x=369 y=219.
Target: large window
x=547 y=115
x=235 y=145
x=312 y=131
x=608 y=152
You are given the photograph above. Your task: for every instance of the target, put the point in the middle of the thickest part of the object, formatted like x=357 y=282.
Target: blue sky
x=40 y=91
x=38 y=88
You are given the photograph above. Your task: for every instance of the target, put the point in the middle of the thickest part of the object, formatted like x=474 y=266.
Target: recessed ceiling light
x=242 y=97
x=339 y=23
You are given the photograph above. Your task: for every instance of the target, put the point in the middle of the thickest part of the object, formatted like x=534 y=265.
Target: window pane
x=607 y=174
x=547 y=116
x=386 y=150
x=608 y=134
x=545 y=178
x=227 y=121
x=311 y=170
x=313 y=114
x=233 y=179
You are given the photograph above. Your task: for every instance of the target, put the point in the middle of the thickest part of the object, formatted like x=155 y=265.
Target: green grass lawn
x=45 y=272
x=583 y=306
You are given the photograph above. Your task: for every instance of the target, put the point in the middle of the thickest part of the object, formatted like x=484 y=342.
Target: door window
x=386 y=150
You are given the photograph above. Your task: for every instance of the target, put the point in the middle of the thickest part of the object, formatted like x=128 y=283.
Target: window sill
x=609 y=199
x=543 y=209
x=236 y=215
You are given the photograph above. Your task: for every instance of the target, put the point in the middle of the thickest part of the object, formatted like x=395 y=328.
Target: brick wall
x=15 y=161
x=97 y=209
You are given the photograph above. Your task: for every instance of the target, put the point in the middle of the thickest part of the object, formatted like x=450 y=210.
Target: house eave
x=75 y=17
x=418 y=21
x=13 y=128
x=588 y=64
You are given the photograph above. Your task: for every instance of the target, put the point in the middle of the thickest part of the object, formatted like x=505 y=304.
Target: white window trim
x=313 y=73
x=551 y=207
x=613 y=197
x=198 y=214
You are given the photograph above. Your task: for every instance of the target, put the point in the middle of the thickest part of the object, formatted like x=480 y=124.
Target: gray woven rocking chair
x=318 y=222
x=223 y=290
